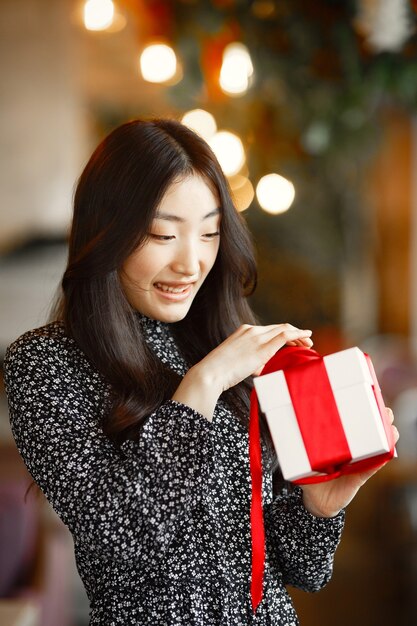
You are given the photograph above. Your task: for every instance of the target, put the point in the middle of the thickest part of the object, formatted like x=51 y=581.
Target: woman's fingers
x=270 y=328
x=296 y=337
x=286 y=332
x=248 y=349
x=275 y=337
x=271 y=338
x=394 y=428
x=301 y=342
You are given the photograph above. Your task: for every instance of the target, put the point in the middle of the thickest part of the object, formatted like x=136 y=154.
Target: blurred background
x=311 y=109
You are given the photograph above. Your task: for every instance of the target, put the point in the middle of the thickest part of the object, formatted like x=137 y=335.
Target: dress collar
x=159 y=337
x=150 y=325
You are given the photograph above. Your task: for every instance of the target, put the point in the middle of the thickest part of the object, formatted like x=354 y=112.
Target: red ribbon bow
x=310 y=393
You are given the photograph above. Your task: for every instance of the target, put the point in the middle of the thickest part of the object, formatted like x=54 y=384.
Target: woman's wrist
x=312 y=508
x=206 y=378
x=200 y=390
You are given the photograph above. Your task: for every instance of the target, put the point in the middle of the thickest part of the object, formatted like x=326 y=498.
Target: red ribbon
x=317 y=415
x=256 y=513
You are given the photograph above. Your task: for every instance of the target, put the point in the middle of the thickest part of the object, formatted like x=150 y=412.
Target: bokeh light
x=275 y=193
x=242 y=190
x=229 y=151
x=98 y=14
x=158 y=63
x=236 y=69
x=202 y=122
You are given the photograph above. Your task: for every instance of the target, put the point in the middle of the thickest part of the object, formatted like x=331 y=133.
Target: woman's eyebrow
x=175 y=218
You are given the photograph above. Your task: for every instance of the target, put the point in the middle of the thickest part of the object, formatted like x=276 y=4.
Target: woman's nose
x=186 y=261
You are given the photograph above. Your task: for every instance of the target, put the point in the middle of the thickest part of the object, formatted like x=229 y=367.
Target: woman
x=130 y=411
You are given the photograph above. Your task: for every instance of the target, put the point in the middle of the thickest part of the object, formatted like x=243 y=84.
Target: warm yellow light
x=98 y=14
x=275 y=193
x=236 y=70
x=229 y=151
x=202 y=122
x=242 y=190
x=158 y=63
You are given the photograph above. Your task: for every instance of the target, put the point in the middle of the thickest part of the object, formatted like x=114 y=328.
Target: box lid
x=344 y=369
x=347 y=368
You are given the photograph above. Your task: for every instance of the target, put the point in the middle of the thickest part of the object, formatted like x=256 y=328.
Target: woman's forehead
x=188 y=197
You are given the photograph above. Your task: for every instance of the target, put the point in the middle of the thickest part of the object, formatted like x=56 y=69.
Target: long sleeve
x=161 y=526
x=301 y=546
x=123 y=504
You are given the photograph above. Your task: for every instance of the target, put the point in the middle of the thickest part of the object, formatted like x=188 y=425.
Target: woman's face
x=162 y=277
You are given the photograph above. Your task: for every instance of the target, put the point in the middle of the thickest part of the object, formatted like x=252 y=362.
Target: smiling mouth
x=171 y=289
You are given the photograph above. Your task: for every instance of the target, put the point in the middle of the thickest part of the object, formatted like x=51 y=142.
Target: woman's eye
x=161 y=237
x=212 y=235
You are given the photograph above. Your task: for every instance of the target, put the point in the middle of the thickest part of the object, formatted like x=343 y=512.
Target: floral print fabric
x=161 y=527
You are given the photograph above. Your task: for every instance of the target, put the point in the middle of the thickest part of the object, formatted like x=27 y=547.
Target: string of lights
x=158 y=63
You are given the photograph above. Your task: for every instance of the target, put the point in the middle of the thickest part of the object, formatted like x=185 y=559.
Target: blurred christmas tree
x=323 y=73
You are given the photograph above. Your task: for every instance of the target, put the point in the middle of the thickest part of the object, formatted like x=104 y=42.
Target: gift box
x=326 y=414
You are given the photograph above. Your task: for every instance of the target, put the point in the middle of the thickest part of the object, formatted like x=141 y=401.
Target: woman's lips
x=174 y=292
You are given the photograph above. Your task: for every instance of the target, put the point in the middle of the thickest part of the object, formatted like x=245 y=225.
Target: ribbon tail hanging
x=256 y=512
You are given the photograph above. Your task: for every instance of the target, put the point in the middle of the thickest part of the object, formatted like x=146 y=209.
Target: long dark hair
x=115 y=201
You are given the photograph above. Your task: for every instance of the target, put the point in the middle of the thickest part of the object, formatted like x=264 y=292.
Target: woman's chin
x=168 y=313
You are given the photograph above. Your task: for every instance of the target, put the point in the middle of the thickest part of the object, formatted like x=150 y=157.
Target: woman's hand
x=247 y=350
x=243 y=354
x=328 y=498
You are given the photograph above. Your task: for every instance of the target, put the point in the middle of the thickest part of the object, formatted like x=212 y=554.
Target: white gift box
x=352 y=386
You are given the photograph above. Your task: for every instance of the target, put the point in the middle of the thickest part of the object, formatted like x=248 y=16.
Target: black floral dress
x=161 y=528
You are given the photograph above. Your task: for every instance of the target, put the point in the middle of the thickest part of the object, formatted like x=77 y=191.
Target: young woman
x=131 y=409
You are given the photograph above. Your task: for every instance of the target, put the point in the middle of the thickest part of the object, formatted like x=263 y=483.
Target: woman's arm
x=124 y=505
x=242 y=354
x=301 y=545
x=304 y=527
